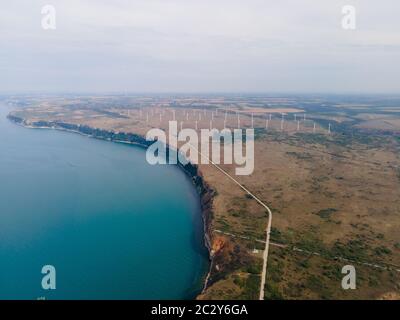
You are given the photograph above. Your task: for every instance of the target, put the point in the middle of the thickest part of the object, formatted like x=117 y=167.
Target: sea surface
x=113 y=226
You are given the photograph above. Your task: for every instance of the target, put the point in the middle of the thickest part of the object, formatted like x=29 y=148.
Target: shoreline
x=205 y=192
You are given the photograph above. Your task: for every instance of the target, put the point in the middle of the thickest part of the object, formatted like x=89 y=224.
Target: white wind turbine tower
x=282 y=121
x=295 y=117
x=314 y=128
x=329 y=129
x=298 y=125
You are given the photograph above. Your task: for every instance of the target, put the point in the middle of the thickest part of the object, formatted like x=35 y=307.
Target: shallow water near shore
x=113 y=226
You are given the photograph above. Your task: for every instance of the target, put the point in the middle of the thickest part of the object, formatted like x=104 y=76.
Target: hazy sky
x=200 y=46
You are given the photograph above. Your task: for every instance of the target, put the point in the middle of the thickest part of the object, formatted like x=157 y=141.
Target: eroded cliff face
x=14 y=118
x=86 y=130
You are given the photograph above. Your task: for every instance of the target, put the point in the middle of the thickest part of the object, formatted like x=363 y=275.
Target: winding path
x=268 y=229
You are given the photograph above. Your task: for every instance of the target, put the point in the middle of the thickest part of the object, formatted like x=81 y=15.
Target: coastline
x=204 y=190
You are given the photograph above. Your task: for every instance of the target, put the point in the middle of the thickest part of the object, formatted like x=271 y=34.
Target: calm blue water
x=113 y=226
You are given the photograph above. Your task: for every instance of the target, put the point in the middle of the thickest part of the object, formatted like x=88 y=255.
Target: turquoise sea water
x=113 y=226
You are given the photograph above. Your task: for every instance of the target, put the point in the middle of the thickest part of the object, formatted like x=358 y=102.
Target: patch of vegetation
x=254 y=268
x=259 y=133
x=293 y=290
x=345 y=134
x=303 y=263
x=223 y=225
x=326 y=213
x=316 y=284
x=238 y=281
x=277 y=235
x=373 y=281
x=332 y=271
x=275 y=270
x=300 y=155
x=309 y=242
x=272 y=292
x=380 y=251
x=251 y=287
x=353 y=249
x=238 y=212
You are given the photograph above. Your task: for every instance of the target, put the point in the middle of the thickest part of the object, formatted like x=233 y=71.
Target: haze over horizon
x=294 y=46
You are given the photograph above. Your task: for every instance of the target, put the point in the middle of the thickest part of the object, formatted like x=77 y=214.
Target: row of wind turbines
x=217 y=119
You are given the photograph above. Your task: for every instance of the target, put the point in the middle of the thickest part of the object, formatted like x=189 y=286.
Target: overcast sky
x=200 y=46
